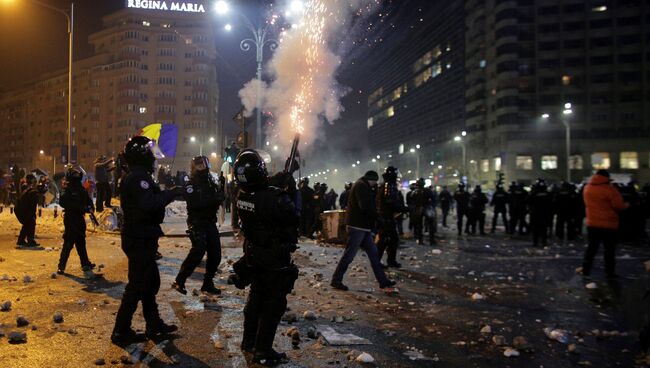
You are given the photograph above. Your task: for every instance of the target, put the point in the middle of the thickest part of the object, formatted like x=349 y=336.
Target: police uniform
x=75 y=202
x=500 y=200
x=390 y=205
x=203 y=199
x=461 y=197
x=269 y=222
x=143 y=205
x=540 y=213
x=477 y=202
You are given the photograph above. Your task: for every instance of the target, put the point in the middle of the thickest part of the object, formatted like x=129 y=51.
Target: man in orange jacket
x=603 y=203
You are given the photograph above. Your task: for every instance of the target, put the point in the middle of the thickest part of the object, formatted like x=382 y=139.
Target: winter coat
x=603 y=203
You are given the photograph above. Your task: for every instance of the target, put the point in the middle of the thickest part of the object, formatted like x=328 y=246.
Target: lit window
x=390 y=112
x=524 y=163
x=370 y=122
x=497 y=164
x=566 y=80
x=549 y=162
x=448 y=65
x=575 y=162
x=485 y=165
x=397 y=93
x=600 y=160
x=143 y=110
x=400 y=149
x=482 y=63
x=629 y=160
x=436 y=69
x=145 y=23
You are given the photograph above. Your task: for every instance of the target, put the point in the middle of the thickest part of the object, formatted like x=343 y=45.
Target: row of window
x=593 y=24
x=575 y=62
x=595 y=42
x=599 y=160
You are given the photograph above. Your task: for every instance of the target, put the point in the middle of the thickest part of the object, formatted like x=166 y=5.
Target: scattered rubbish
x=17 y=337
x=312 y=333
x=572 y=348
x=486 y=329
x=27 y=279
x=290 y=317
x=591 y=285
x=416 y=355
x=58 y=317
x=100 y=361
x=218 y=345
x=53 y=275
x=5 y=306
x=520 y=342
x=365 y=358
x=334 y=338
x=557 y=335
x=21 y=321
x=477 y=296
x=436 y=251
x=310 y=315
x=499 y=340
x=510 y=352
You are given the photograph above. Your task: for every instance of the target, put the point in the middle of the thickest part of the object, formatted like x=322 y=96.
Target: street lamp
x=70 y=20
x=566 y=113
x=260 y=38
x=193 y=139
x=459 y=139
x=42 y=153
x=416 y=150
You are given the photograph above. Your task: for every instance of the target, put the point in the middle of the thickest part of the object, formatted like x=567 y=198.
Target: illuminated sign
x=166 y=5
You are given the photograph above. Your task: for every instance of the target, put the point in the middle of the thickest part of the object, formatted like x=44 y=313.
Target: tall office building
x=149 y=66
x=526 y=60
x=417 y=96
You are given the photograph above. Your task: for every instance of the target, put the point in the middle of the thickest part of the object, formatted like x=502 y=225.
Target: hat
x=371 y=175
x=603 y=172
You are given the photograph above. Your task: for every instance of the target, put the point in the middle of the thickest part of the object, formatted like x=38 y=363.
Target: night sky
x=35 y=42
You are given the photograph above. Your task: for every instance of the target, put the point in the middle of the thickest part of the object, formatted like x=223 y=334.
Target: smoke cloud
x=304 y=92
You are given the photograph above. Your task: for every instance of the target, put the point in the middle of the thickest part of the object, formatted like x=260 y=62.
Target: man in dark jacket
x=445 y=204
x=26 y=213
x=499 y=202
x=423 y=212
x=518 y=208
x=565 y=203
x=307 y=213
x=102 y=169
x=143 y=204
x=203 y=197
x=461 y=197
x=361 y=223
x=76 y=203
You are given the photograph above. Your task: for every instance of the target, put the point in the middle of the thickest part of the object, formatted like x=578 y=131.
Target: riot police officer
x=269 y=222
x=343 y=199
x=25 y=211
x=461 y=197
x=540 y=211
x=307 y=213
x=565 y=203
x=76 y=203
x=203 y=197
x=389 y=206
x=143 y=205
x=518 y=208
x=477 y=202
x=499 y=201
x=445 y=204
x=424 y=209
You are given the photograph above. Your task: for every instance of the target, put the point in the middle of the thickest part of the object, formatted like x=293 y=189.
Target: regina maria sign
x=166 y=5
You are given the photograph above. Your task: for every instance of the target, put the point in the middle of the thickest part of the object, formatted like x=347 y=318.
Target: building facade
x=522 y=61
x=526 y=60
x=149 y=66
x=417 y=96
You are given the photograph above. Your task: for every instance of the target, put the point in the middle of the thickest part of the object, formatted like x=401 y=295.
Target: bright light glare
x=374 y=160
x=41 y=152
x=354 y=165
x=192 y=139
x=417 y=146
x=275 y=148
x=567 y=112
x=545 y=116
x=432 y=163
x=213 y=154
x=457 y=138
x=228 y=27
x=412 y=150
x=296 y=6
x=463 y=133
x=378 y=157
x=358 y=163
x=221 y=7
x=567 y=105
x=439 y=166
x=211 y=139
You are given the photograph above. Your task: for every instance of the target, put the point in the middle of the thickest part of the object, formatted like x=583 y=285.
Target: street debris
x=477 y=296
x=591 y=285
x=21 y=321
x=334 y=338
x=58 y=317
x=558 y=335
x=510 y=352
x=365 y=358
x=309 y=315
x=17 y=337
x=5 y=306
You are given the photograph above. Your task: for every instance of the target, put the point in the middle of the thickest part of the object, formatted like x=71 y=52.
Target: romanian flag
x=165 y=136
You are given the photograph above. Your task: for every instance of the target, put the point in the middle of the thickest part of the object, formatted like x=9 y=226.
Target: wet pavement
x=462 y=303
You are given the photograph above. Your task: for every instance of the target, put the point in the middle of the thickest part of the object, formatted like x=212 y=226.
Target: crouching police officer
x=76 y=203
x=203 y=197
x=269 y=222
x=143 y=205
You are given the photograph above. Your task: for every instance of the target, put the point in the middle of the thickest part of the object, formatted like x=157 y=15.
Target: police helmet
x=461 y=186
x=477 y=189
x=73 y=175
x=250 y=170
x=420 y=183
x=348 y=185
x=390 y=174
x=323 y=187
x=137 y=152
x=200 y=165
x=305 y=180
x=43 y=187
x=30 y=179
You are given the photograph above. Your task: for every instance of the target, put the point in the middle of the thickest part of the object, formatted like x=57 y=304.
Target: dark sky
x=35 y=41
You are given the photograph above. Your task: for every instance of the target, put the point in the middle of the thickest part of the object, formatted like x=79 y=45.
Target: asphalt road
x=433 y=322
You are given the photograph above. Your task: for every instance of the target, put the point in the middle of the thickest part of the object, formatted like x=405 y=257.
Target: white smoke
x=291 y=66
